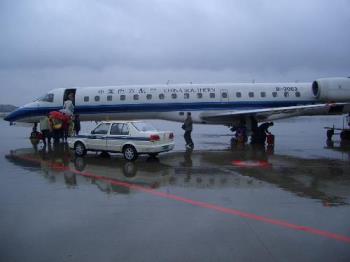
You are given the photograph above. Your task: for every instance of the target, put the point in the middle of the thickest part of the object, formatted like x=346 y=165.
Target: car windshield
x=144 y=127
x=102 y=129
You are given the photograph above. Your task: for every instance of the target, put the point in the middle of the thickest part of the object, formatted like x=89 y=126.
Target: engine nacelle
x=336 y=89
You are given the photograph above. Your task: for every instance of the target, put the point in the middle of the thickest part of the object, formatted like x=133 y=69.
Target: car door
x=97 y=140
x=118 y=134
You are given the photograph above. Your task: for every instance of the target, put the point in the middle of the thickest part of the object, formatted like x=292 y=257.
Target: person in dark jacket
x=263 y=131
x=187 y=126
x=76 y=124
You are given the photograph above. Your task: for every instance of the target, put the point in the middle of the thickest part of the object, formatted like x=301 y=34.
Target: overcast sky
x=47 y=44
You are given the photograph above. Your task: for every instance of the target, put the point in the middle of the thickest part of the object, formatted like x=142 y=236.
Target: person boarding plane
x=227 y=104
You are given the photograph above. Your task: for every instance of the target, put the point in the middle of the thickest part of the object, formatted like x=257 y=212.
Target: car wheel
x=79 y=149
x=130 y=153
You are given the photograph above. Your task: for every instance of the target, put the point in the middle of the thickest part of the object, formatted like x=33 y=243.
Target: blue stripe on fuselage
x=154 y=107
x=25 y=112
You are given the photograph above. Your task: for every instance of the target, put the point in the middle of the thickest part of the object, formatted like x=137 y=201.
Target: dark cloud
x=149 y=40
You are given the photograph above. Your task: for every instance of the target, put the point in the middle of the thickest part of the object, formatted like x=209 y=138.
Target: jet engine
x=335 y=89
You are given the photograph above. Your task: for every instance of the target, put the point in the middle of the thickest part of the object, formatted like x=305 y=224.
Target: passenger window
x=109 y=98
x=274 y=94
x=122 y=97
x=262 y=94
x=186 y=95
x=119 y=129
x=297 y=94
x=238 y=94
x=251 y=94
x=86 y=99
x=199 y=95
x=224 y=95
x=97 y=98
x=125 y=130
x=116 y=129
x=102 y=129
x=173 y=96
x=136 y=97
x=212 y=95
x=149 y=96
x=161 y=96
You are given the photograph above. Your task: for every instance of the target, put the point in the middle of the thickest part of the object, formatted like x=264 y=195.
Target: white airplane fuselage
x=204 y=101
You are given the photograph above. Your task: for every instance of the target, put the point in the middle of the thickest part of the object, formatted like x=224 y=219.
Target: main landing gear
x=343 y=132
x=259 y=135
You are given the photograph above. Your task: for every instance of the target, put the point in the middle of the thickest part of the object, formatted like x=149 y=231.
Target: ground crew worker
x=76 y=124
x=187 y=126
x=263 y=131
x=34 y=135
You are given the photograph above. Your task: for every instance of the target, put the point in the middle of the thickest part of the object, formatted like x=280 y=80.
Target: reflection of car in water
x=321 y=179
x=128 y=137
x=113 y=169
x=59 y=161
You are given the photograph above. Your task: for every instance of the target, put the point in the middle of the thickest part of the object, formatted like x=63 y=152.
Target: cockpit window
x=46 y=98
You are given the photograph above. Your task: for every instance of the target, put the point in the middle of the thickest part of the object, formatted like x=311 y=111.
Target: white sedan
x=128 y=137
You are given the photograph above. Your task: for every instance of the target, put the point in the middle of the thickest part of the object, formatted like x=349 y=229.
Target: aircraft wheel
x=130 y=153
x=345 y=135
x=79 y=149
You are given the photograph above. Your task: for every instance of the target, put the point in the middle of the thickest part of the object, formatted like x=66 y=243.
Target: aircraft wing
x=269 y=114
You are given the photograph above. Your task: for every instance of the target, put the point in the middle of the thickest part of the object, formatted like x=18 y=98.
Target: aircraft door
x=67 y=92
x=224 y=95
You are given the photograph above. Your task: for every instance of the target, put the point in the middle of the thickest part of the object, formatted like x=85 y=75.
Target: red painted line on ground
x=206 y=205
x=251 y=164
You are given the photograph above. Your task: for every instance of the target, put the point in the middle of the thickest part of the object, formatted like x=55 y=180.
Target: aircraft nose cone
x=11 y=116
x=8 y=117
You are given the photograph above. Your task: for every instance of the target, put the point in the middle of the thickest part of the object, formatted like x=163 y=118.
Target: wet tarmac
x=216 y=203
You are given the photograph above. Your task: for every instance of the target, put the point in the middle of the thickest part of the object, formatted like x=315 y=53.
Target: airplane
x=226 y=103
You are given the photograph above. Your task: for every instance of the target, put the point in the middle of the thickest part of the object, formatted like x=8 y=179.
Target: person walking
x=76 y=124
x=187 y=126
x=45 y=130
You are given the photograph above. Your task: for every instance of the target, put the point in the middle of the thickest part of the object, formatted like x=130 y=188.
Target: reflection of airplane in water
x=342 y=146
x=324 y=180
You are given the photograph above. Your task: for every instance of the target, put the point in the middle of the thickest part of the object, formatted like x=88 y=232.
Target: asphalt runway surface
x=219 y=202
